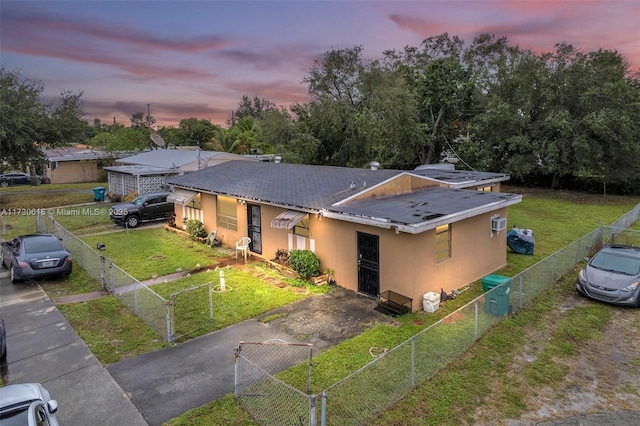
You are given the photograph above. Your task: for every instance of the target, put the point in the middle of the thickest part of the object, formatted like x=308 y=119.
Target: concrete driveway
x=166 y=383
x=42 y=347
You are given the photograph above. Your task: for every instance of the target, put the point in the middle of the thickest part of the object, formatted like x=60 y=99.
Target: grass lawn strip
x=110 y=329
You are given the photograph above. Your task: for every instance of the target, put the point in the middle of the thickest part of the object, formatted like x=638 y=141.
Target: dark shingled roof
x=293 y=185
x=319 y=188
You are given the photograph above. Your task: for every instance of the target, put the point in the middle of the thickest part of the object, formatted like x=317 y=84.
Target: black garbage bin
x=98 y=193
x=498 y=297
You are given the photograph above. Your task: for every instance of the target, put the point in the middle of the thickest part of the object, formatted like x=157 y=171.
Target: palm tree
x=237 y=139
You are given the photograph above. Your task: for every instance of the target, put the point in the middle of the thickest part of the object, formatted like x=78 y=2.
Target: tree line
x=551 y=118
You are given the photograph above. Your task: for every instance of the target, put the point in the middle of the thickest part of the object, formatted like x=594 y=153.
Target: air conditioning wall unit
x=498 y=224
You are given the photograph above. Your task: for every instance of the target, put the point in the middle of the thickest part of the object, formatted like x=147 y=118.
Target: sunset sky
x=198 y=58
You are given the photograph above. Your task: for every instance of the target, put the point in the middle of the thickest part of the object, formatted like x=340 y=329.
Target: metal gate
x=269 y=400
x=254 y=231
x=190 y=310
x=368 y=264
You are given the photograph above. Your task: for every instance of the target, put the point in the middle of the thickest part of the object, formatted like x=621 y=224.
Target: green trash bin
x=98 y=193
x=498 y=297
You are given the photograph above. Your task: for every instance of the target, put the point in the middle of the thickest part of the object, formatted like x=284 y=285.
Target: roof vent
x=277 y=159
x=374 y=165
x=352 y=185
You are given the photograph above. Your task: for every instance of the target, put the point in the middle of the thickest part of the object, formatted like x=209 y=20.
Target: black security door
x=368 y=264
x=254 y=228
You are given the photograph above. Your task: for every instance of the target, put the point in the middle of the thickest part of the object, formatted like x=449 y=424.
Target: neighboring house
x=408 y=231
x=74 y=164
x=148 y=171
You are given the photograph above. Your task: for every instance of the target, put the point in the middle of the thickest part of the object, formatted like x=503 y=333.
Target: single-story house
x=74 y=164
x=411 y=232
x=148 y=171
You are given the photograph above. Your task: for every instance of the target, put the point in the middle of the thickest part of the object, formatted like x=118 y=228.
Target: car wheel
x=2 y=260
x=13 y=275
x=133 y=221
x=4 y=184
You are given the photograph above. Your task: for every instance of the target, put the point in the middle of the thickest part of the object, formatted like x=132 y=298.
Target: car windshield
x=41 y=244
x=615 y=262
x=138 y=201
x=17 y=415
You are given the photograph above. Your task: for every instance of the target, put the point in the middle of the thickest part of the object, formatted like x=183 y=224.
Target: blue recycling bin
x=98 y=193
x=498 y=297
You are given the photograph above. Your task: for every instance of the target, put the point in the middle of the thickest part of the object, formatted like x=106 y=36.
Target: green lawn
x=45 y=196
x=148 y=252
x=18 y=206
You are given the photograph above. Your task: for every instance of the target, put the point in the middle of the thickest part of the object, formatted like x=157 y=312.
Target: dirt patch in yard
x=328 y=319
x=603 y=377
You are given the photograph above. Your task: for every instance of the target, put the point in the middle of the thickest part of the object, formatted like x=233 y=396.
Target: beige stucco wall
x=407 y=261
x=228 y=237
x=73 y=172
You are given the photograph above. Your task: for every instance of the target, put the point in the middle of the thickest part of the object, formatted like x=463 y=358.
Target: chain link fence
x=270 y=400
x=156 y=311
x=189 y=306
x=85 y=256
x=363 y=395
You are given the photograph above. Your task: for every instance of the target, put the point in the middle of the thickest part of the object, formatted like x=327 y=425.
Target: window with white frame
x=443 y=242
x=227 y=213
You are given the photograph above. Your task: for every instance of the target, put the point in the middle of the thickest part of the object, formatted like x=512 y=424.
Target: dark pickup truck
x=144 y=208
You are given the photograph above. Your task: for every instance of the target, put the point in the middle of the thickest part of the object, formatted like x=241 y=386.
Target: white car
x=450 y=159
x=27 y=404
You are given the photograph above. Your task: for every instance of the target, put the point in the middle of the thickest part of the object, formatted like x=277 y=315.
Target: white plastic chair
x=243 y=246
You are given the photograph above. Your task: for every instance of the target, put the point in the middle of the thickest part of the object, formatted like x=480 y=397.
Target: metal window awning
x=181 y=197
x=287 y=219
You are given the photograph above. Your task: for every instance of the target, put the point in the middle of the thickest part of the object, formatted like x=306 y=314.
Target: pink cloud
x=44 y=27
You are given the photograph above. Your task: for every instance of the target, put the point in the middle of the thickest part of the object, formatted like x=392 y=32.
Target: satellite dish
x=157 y=139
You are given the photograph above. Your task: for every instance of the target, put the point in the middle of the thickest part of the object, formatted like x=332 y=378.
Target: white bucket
x=431 y=301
